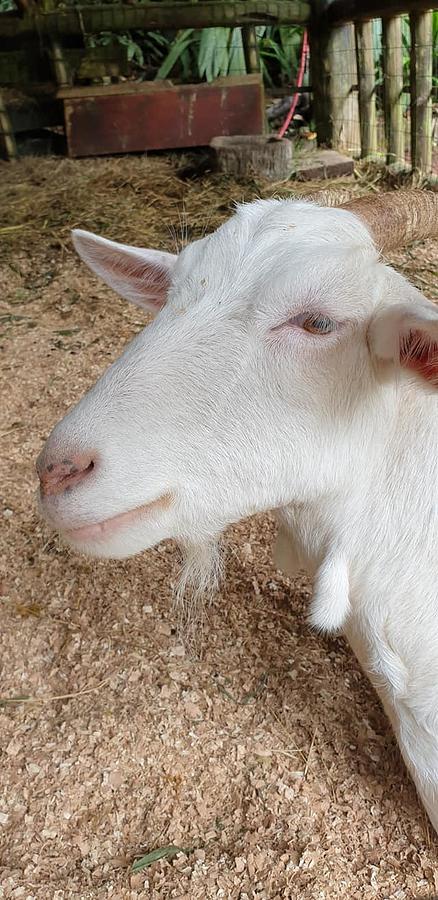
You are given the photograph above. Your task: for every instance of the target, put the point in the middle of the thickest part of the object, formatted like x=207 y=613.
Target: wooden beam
x=421 y=92
x=341 y=11
x=367 y=85
x=123 y=17
x=393 y=89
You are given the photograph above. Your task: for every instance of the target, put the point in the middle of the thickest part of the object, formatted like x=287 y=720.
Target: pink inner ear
x=148 y=280
x=419 y=354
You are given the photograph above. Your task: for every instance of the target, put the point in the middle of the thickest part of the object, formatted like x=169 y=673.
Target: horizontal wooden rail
x=341 y=11
x=205 y=14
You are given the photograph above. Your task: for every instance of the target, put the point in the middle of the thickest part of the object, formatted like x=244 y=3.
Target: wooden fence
x=390 y=121
x=353 y=112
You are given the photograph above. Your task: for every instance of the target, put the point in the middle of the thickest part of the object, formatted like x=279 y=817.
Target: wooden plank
x=341 y=11
x=321 y=164
x=367 y=86
x=421 y=92
x=81 y=92
x=161 y=15
x=161 y=117
x=393 y=89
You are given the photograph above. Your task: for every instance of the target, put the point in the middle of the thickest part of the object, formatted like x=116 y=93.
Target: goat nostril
x=56 y=478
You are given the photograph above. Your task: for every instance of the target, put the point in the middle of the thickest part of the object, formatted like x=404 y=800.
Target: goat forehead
x=265 y=220
x=263 y=232
x=272 y=261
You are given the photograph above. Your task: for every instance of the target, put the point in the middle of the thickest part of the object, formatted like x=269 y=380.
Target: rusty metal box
x=129 y=117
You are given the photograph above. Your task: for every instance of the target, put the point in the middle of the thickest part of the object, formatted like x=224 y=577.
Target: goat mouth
x=99 y=531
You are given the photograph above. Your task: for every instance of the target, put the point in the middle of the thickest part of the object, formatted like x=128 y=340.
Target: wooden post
x=393 y=88
x=251 y=49
x=334 y=81
x=366 y=81
x=421 y=92
x=343 y=99
x=319 y=72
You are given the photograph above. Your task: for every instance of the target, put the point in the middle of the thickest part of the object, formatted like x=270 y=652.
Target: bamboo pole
x=7 y=137
x=251 y=49
x=421 y=92
x=69 y=21
x=366 y=82
x=59 y=64
x=393 y=89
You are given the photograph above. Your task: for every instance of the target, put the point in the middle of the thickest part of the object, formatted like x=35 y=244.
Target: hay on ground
x=269 y=761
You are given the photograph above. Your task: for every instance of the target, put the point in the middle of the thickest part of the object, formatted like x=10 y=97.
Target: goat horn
x=397 y=218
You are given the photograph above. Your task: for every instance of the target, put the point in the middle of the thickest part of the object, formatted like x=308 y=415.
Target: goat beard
x=198 y=583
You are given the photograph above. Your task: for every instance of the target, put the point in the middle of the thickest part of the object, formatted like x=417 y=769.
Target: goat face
x=262 y=381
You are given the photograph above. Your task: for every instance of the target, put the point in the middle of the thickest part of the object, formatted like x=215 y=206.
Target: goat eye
x=318 y=325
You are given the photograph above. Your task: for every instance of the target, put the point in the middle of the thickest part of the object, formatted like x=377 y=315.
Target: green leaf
x=155 y=855
x=265 y=72
x=181 y=42
x=237 y=58
x=213 y=56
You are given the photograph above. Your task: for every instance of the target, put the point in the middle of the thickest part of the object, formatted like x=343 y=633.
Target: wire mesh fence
x=384 y=91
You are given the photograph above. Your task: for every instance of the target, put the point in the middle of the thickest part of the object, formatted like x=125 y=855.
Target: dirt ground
x=268 y=760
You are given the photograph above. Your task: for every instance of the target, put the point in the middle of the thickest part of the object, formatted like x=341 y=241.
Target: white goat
x=289 y=368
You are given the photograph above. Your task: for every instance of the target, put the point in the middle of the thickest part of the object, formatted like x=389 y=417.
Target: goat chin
x=198 y=582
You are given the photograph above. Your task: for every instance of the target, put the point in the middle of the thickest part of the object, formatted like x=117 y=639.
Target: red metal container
x=131 y=117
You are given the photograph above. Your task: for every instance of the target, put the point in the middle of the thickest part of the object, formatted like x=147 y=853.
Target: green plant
x=279 y=48
x=141 y=45
x=207 y=54
x=179 y=51
x=214 y=52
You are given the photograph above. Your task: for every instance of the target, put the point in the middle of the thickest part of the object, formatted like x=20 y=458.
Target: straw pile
x=269 y=761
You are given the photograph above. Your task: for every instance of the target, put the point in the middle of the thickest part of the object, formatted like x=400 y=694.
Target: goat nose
x=56 y=477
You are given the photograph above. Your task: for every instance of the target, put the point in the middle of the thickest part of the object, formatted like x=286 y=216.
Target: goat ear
x=141 y=276
x=406 y=335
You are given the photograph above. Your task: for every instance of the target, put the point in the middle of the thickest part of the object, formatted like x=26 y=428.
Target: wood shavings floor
x=270 y=758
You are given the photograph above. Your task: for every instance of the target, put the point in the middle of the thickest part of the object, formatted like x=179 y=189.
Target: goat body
x=287 y=368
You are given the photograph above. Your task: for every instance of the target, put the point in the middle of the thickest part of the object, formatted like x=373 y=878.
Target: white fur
x=225 y=405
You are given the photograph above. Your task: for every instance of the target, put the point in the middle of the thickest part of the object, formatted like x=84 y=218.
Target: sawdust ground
x=269 y=759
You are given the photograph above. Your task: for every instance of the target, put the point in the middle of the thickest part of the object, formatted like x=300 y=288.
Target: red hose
x=293 y=106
